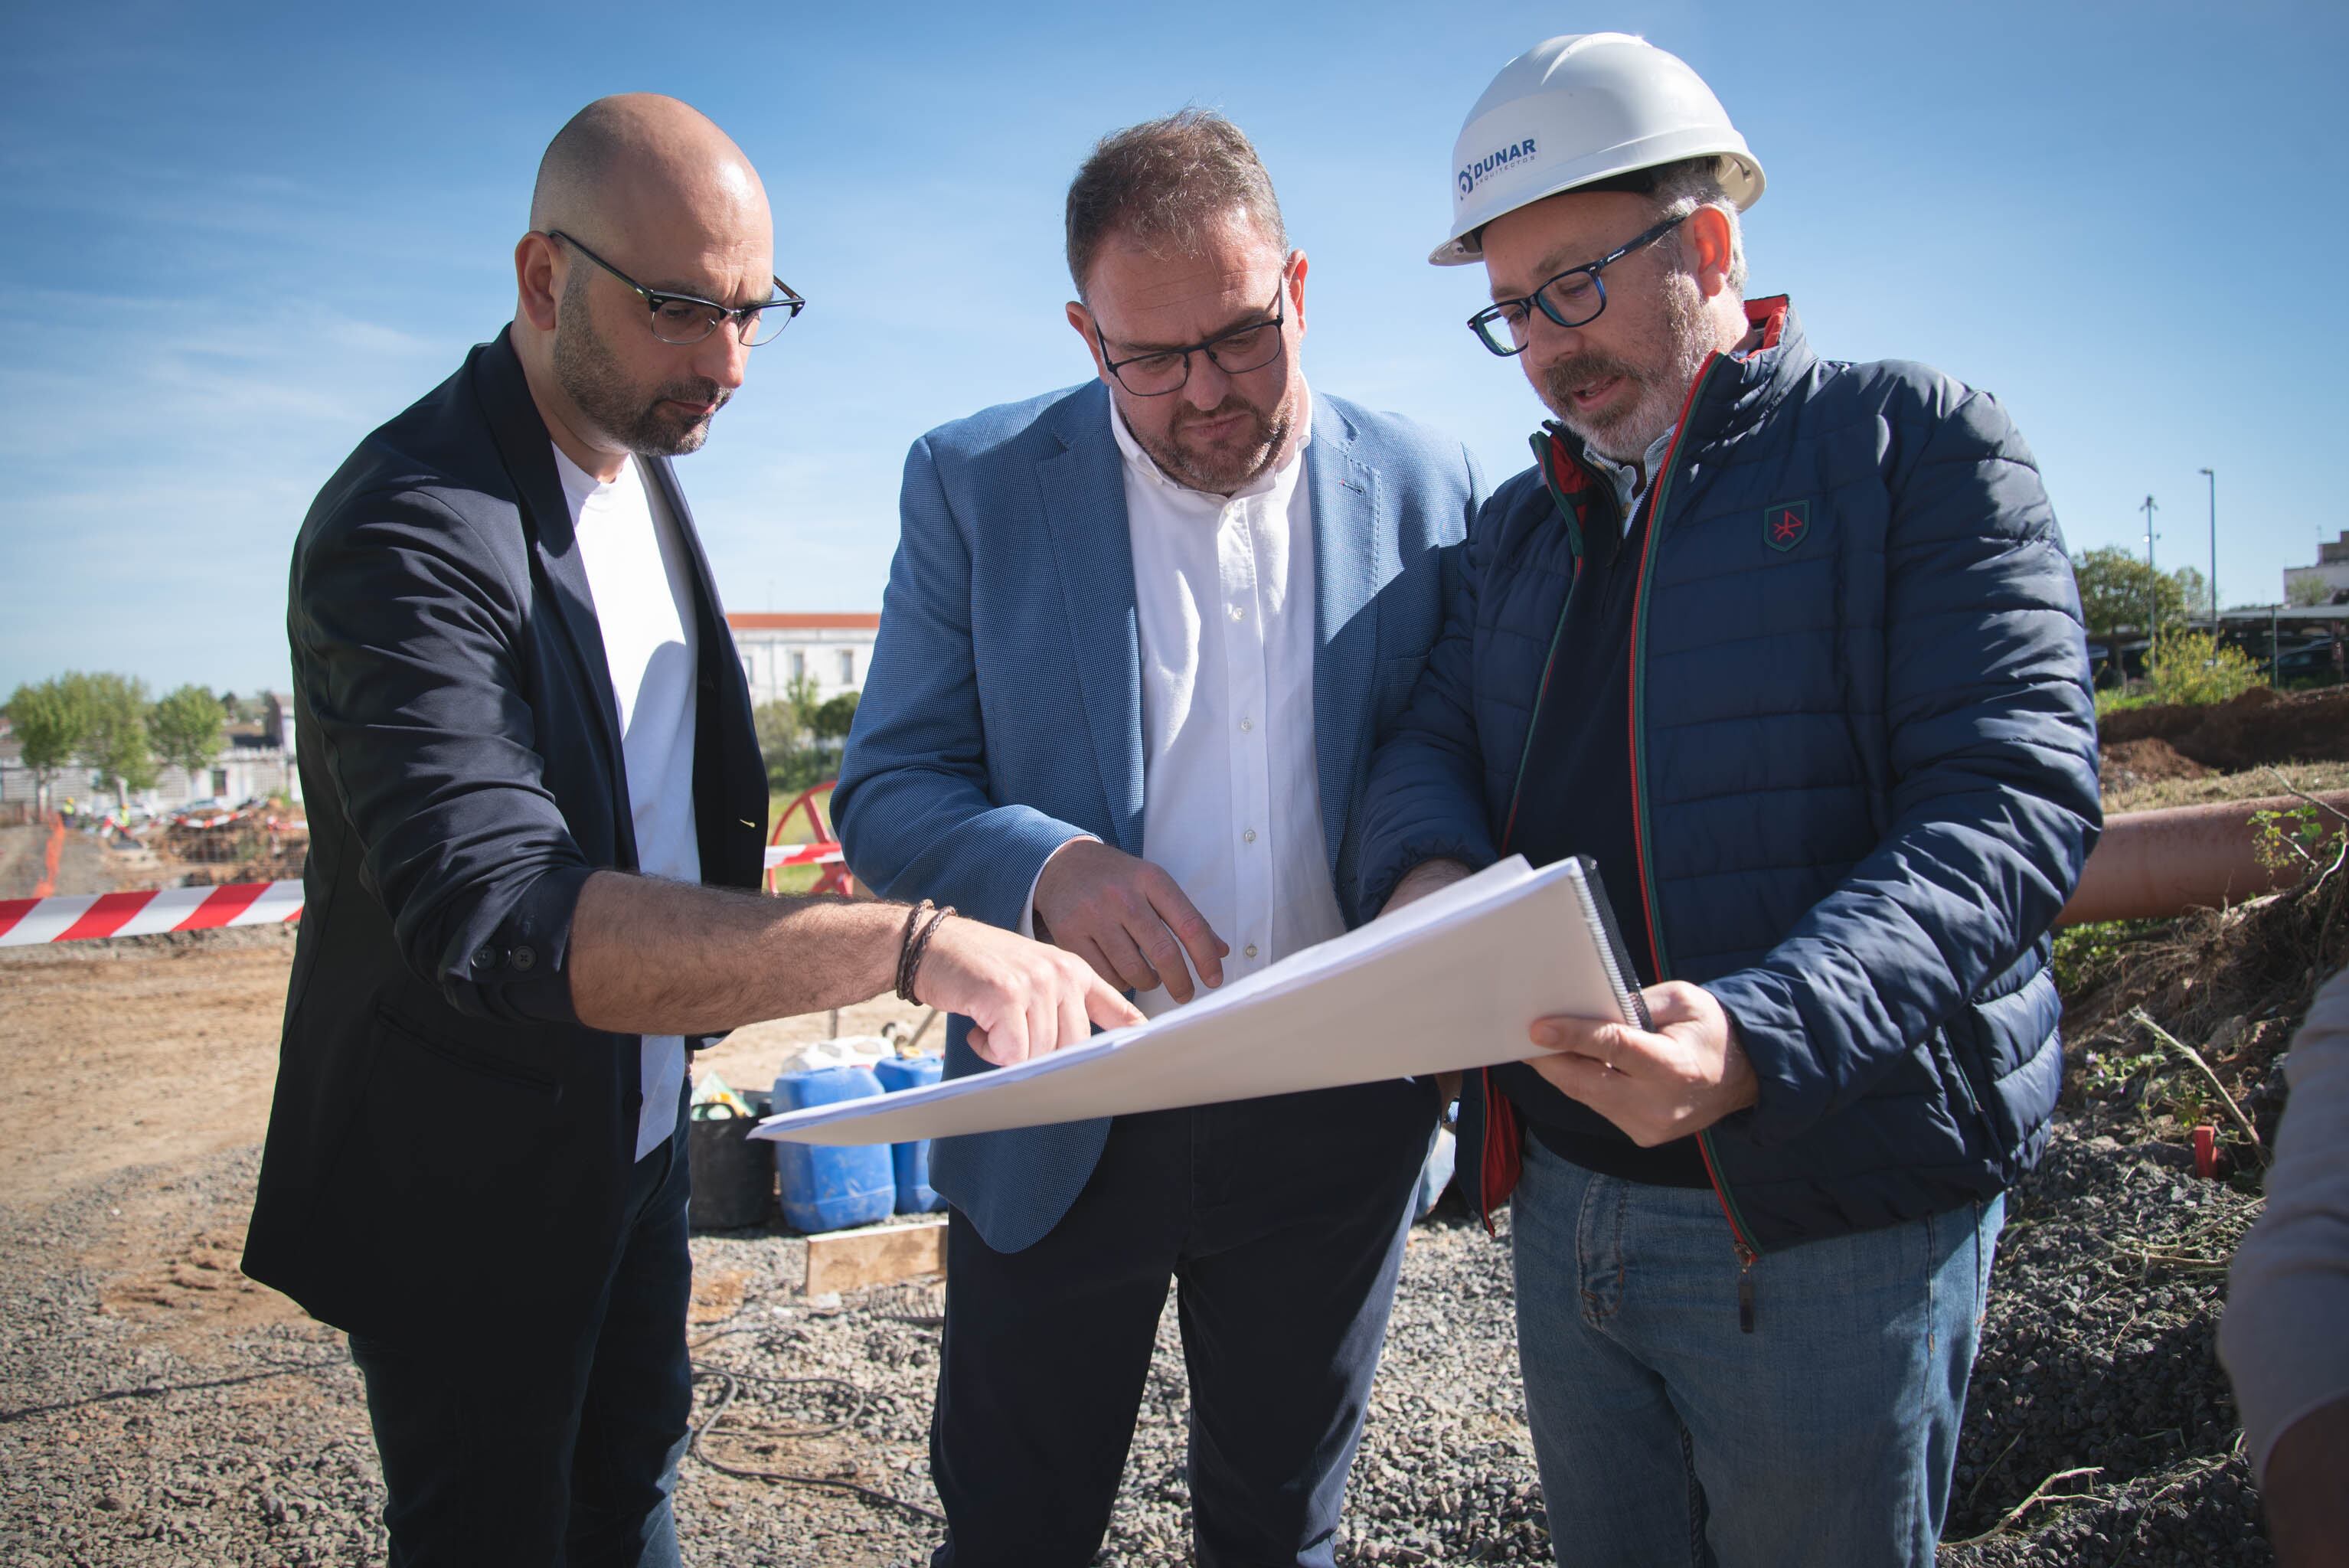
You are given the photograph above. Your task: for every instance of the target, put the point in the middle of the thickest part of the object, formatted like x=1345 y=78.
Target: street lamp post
x=2153 y=586
x=2214 y=549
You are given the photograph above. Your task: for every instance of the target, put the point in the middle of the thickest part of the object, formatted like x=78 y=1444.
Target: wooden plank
x=886 y=1254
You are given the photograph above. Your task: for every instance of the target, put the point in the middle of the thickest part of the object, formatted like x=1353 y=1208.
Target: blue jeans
x=1666 y=1435
x=548 y=1444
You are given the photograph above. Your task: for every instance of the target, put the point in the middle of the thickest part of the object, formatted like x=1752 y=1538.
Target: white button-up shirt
x=1231 y=797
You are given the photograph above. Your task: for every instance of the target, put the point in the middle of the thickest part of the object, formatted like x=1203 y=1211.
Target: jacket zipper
x=1496 y=1114
x=1740 y=1238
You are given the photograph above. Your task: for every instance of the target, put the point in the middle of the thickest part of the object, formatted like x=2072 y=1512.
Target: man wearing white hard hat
x=1791 y=649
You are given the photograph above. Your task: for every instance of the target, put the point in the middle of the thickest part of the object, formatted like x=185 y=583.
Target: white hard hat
x=1579 y=110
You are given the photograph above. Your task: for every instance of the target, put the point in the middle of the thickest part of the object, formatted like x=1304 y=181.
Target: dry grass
x=2245 y=786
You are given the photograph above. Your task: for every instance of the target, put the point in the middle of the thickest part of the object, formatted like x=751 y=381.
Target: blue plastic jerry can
x=911 y=1161
x=830 y=1189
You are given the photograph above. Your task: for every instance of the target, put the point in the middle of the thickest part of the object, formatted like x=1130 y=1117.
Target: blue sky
x=239 y=236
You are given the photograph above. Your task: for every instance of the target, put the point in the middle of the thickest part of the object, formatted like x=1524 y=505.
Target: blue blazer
x=1002 y=714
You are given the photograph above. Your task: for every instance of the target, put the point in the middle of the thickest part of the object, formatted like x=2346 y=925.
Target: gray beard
x=1662 y=385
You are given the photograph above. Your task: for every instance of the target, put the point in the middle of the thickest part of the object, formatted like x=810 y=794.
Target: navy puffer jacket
x=1864 y=769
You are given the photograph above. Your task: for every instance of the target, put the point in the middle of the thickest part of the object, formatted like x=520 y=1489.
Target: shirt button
x=1239 y=614
x=485 y=958
x=1247 y=836
x=524 y=957
x=1246 y=725
x=1249 y=951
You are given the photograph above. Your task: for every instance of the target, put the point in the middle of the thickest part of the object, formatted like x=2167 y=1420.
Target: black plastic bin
x=733 y=1175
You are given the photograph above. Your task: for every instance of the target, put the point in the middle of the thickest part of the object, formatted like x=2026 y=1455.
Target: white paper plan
x=1447 y=983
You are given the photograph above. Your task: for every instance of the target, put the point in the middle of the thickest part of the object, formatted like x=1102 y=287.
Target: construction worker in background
x=1792 y=649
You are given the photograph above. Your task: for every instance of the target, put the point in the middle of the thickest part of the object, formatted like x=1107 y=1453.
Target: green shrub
x=2085 y=954
x=2195 y=668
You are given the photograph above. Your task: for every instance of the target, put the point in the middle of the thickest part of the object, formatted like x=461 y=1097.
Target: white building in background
x=831 y=650
x=2330 y=571
x=255 y=761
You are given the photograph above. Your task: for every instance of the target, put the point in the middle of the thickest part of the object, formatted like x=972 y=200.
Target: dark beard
x=1221 y=475
x=591 y=376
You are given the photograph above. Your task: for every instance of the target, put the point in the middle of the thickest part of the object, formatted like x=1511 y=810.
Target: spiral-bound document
x=1448 y=982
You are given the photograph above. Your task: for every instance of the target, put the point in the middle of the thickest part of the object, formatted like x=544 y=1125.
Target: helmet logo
x=1783 y=526
x=1507 y=156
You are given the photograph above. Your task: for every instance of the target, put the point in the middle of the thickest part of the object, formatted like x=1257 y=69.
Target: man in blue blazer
x=1138 y=640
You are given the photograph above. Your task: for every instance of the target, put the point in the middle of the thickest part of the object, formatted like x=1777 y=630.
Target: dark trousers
x=535 y=1444
x=1281 y=1223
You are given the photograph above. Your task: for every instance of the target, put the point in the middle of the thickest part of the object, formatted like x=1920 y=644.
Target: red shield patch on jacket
x=1786 y=525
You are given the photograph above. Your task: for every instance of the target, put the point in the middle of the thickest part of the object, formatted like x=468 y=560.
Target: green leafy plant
x=2298 y=838
x=2083 y=952
x=2195 y=668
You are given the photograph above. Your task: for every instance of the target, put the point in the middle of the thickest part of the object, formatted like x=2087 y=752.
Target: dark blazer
x=447 y=1141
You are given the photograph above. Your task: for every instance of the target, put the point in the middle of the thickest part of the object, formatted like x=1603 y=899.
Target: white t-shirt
x=643 y=589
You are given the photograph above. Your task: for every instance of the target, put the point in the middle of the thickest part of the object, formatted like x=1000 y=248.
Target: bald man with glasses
x=538 y=815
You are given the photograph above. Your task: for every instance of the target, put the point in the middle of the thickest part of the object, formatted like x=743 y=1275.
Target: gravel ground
x=260 y=1469
x=1445 y=1472
x=2100 y=1356
x=2094 y=1356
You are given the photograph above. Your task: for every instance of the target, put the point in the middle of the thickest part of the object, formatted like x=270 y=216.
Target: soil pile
x=2231 y=984
x=80 y=864
x=2130 y=764
x=2260 y=727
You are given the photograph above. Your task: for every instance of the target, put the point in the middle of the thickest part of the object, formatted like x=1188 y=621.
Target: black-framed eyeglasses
x=682 y=320
x=1234 y=353
x=1573 y=298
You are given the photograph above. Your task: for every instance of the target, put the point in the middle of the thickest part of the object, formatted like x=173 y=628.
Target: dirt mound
x=2233 y=984
x=25 y=866
x=2260 y=727
x=2127 y=764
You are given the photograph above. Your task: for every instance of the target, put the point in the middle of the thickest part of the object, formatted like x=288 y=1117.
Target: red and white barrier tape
x=802 y=855
x=84 y=916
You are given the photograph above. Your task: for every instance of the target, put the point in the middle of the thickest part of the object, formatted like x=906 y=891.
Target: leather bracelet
x=920 y=951
x=906 y=948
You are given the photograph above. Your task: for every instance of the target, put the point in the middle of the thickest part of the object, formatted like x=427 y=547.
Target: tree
x=2193 y=592
x=114 y=745
x=833 y=720
x=2117 y=590
x=2309 y=590
x=49 y=721
x=186 y=727
x=798 y=695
